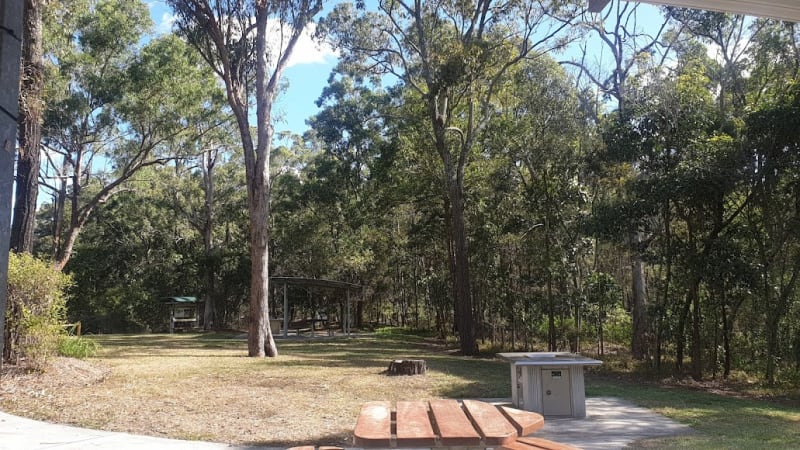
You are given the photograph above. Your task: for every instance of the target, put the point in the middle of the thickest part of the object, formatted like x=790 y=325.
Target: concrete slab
x=610 y=423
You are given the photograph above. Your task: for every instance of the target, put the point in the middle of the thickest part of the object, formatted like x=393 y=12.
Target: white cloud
x=164 y=26
x=308 y=50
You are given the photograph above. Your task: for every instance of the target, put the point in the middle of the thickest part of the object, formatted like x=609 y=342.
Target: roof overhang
x=776 y=9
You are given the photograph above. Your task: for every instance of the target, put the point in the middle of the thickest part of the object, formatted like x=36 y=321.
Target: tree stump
x=407 y=367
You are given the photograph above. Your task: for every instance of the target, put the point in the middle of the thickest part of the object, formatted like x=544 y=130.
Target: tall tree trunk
x=209 y=160
x=683 y=317
x=30 y=129
x=463 y=299
x=551 y=302
x=697 y=339
x=727 y=327
x=662 y=308
x=58 y=213
x=640 y=331
x=260 y=341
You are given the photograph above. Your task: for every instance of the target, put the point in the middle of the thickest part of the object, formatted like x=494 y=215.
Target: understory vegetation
x=35 y=312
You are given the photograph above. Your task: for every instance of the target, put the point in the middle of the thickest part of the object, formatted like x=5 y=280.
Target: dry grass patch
x=202 y=387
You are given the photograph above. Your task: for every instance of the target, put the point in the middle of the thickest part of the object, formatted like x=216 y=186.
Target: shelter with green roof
x=183 y=312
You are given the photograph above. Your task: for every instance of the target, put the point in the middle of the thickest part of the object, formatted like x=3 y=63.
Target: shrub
x=76 y=347
x=35 y=310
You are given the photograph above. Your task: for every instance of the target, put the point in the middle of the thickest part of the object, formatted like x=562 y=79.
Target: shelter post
x=347 y=315
x=285 y=310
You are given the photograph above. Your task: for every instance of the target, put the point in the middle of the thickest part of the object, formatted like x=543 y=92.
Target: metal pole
x=10 y=48
x=348 y=312
x=286 y=310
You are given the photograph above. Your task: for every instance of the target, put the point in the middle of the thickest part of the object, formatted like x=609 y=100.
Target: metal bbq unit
x=549 y=383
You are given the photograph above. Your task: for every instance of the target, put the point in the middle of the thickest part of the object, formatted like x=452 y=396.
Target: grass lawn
x=202 y=386
x=720 y=422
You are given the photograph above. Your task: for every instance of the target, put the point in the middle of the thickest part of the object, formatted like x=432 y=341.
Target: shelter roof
x=316 y=282
x=175 y=300
x=778 y=9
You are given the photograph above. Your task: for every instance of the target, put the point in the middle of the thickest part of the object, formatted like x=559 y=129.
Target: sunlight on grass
x=719 y=421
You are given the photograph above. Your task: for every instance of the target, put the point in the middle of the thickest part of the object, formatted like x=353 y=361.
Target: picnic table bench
x=448 y=423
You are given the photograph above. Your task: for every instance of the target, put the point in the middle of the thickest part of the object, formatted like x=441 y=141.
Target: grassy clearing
x=201 y=386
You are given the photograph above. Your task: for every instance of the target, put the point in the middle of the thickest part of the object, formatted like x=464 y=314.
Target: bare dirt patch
x=203 y=387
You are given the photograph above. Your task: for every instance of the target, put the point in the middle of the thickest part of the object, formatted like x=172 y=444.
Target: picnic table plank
x=526 y=443
x=414 y=427
x=374 y=425
x=455 y=428
x=490 y=422
x=526 y=422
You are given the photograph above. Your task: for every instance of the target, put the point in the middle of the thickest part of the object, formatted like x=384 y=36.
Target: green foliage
x=35 y=310
x=77 y=347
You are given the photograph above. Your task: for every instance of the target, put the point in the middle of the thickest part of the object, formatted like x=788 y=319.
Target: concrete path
x=610 y=424
x=19 y=433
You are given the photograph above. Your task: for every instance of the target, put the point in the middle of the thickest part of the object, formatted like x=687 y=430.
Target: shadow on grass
x=336 y=440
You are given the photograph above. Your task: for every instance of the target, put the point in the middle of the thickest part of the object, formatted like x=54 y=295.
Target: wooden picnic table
x=448 y=423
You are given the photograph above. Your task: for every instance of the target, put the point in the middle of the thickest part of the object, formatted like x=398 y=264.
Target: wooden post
x=10 y=48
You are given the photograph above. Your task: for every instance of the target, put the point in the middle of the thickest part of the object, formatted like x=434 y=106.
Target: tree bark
x=31 y=108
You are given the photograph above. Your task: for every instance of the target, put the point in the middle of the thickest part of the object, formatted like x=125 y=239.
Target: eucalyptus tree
x=541 y=142
x=731 y=85
x=772 y=218
x=116 y=109
x=631 y=46
x=453 y=56
x=203 y=190
x=248 y=44
x=730 y=37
